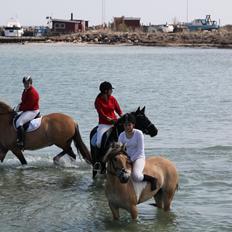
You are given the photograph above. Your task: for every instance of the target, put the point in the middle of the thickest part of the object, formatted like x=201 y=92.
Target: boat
x=202 y=24
x=13 y=29
x=168 y=28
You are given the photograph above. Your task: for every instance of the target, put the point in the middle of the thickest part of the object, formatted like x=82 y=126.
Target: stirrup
x=97 y=166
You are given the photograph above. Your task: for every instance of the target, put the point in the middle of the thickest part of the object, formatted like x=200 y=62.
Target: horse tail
x=81 y=147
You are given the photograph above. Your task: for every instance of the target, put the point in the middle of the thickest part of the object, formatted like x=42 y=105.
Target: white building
x=13 y=29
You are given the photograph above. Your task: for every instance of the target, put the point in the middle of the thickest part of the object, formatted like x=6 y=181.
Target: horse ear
x=143 y=109
x=138 y=110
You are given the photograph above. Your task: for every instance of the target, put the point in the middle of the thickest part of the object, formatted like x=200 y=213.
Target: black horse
x=142 y=123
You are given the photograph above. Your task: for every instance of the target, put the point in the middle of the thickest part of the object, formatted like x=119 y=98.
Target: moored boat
x=13 y=29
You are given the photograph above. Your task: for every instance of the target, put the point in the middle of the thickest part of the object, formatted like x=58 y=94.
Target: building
x=126 y=23
x=69 y=26
x=13 y=29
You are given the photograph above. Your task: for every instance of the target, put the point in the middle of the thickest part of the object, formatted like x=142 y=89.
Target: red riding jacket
x=107 y=108
x=30 y=100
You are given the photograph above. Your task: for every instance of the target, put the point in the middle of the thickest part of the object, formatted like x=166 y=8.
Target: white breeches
x=137 y=172
x=26 y=117
x=102 y=128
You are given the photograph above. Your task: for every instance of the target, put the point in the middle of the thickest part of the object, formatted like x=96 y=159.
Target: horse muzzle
x=123 y=176
x=151 y=130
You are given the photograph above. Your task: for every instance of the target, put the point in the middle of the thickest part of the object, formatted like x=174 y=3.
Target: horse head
x=143 y=123
x=5 y=109
x=118 y=162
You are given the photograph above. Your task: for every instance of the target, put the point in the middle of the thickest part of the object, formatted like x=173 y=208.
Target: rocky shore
x=219 y=39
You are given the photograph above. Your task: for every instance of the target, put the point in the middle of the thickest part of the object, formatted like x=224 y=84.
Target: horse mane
x=4 y=107
x=135 y=112
x=115 y=149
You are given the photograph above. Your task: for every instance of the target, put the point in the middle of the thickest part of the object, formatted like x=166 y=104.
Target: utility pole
x=187 y=13
x=103 y=13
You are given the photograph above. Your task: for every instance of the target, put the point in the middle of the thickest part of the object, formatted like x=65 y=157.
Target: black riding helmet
x=129 y=118
x=27 y=79
x=105 y=86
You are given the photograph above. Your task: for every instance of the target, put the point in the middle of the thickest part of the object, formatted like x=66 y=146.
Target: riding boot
x=152 y=180
x=20 y=137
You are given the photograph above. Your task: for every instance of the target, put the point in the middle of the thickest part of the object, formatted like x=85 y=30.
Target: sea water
x=188 y=96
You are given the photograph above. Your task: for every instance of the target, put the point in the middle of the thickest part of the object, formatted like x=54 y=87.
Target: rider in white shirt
x=134 y=141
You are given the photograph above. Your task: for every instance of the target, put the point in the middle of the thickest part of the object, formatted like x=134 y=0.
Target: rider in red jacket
x=29 y=106
x=106 y=106
x=30 y=99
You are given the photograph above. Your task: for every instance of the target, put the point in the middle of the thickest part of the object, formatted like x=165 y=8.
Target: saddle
x=31 y=125
x=105 y=137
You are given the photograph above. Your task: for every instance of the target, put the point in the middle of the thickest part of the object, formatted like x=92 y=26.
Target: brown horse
x=56 y=129
x=122 y=192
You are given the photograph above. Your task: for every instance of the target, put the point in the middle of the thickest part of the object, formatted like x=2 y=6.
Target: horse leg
x=57 y=157
x=3 y=152
x=18 y=153
x=134 y=212
x=159 y=199
x=167 y=199
x=115 y=211
x=71 y=153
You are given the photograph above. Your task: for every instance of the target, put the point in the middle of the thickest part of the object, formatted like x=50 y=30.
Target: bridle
x=119 y=172
x=149 y=124
x=146 y=130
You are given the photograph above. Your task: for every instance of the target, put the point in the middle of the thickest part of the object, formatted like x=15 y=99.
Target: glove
x=17 y=108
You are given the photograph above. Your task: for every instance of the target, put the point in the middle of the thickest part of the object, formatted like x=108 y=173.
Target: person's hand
x=16 y=109
x=110 y=120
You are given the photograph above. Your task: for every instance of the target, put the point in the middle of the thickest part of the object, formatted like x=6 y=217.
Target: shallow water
x=187 y=94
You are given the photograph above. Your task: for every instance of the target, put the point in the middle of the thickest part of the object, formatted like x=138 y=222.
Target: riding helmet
x=27 y=79
x=105 y=86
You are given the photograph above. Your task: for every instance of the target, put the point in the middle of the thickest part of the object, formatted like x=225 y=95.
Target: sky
x=31 y=12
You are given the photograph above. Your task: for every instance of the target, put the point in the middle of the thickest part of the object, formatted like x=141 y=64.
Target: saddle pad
x=34 y=124
x=94 y=140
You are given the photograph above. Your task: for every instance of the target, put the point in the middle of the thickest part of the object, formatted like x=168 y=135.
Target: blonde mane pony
x=121 y=190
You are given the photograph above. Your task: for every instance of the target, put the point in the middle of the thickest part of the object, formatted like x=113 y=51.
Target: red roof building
x=69 y=26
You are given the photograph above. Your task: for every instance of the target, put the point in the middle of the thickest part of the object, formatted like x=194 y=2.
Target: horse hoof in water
x=56 y=161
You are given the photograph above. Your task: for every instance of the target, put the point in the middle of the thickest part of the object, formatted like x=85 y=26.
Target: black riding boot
x=20 y=137
x=152 y=180
x=96 y=154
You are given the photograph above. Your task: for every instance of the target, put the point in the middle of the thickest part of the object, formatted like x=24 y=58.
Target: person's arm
x=117 y=108
x=100 y=111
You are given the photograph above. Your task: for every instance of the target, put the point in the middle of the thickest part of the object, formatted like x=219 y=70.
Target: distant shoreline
x=216 y=39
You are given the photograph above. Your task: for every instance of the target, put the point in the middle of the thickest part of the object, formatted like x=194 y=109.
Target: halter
x=146 y=129
x=119 y=172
